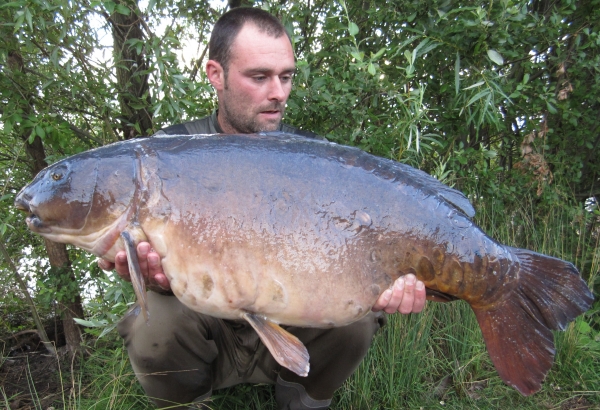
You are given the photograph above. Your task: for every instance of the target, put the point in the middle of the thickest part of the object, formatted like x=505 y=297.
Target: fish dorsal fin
x=459 y=200
x=286 y=348
x=135 y=272
x=451 y=195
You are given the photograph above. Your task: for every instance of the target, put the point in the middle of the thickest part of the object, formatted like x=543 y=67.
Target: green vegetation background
x=499 y=99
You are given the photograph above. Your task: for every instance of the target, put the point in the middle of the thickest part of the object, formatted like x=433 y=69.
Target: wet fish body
x=279 y=229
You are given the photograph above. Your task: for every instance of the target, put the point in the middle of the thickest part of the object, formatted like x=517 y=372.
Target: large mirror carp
x=279 y=229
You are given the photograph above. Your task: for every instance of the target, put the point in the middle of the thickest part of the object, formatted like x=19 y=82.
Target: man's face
x=258 y=83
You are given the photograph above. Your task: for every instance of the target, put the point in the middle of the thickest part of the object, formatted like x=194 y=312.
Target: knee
x=166 y=344
x=145 y=342
x=359 y=335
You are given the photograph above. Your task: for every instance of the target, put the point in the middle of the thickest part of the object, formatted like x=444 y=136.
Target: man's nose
x=276 y=90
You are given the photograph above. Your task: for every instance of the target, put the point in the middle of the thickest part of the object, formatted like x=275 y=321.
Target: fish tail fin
x=517 y=332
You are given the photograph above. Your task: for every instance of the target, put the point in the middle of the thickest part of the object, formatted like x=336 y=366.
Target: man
x=180 y=355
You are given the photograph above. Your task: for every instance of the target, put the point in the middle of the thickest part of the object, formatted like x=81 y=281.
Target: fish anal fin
x=286 y=348
x=135 y=272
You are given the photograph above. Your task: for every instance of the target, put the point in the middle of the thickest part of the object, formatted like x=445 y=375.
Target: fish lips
x=35 y=224
x=33 y=221
x=21 y=204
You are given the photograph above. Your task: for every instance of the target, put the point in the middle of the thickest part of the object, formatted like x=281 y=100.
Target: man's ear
x=215 y=74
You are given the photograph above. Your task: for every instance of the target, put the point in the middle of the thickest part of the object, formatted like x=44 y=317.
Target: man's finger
x=105 y=265
x=143 y=249
x=156 y=272
x=121 y=265
x=397 y=296
x=420 y=297
x=383 y=301
x=408 y=298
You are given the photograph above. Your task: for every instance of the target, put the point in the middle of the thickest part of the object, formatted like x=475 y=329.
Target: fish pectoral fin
x=286 y=348
x=135 y=272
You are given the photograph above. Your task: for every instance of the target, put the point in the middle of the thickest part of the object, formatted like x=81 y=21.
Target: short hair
x=230 y=24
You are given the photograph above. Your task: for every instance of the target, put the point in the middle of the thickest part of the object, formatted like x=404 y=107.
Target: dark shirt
x=210 y=125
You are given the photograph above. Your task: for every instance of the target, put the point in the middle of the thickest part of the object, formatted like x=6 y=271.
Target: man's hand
x=407 y=295
x=154 y=277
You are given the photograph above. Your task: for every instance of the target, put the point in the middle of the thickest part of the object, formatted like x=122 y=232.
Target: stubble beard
x=247 y=122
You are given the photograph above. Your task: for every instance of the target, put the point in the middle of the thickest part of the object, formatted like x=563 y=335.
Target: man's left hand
x=407 y=295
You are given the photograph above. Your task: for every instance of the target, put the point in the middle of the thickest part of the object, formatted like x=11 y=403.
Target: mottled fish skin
x=299 y=231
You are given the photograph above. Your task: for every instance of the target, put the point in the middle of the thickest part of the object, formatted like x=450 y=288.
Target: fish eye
x=59 y=172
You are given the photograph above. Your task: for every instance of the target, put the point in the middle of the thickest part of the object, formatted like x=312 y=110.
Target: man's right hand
x=150 y=265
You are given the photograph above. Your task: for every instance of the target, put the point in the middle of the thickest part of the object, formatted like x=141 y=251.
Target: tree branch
x=36 y=318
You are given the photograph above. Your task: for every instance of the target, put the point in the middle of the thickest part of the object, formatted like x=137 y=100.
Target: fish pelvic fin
x=286 y=348
x=137 y=279
x=518 y=330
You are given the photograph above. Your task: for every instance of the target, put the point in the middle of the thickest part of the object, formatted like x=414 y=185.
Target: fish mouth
x=33 y=221
x=21 y=204
x=36 y=225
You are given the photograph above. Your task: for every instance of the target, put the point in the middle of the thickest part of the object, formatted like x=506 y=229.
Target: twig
x=38 y=323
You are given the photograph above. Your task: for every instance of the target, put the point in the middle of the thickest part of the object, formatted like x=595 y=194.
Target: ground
x=16 y=376
x=29 y=375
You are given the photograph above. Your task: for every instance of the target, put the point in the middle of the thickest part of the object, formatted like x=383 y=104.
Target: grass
x=434 y=360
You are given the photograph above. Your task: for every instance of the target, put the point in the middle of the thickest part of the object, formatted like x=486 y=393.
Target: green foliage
x=107 y=306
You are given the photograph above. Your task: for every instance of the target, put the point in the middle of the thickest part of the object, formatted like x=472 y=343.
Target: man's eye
x=260 y=78
x=286 y=78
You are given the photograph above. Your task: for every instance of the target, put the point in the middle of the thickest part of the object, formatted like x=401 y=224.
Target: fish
x=278 y=229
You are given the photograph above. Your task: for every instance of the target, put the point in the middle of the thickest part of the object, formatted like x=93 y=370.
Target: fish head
x=81 y=200
x=58 y=197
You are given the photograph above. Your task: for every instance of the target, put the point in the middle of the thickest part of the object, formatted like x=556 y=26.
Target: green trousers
x=181 y=355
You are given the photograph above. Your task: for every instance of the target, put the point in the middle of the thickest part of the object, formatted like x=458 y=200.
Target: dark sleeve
x=302 y=133
x=309 y=134
x=177 y=129
x=201 y=126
